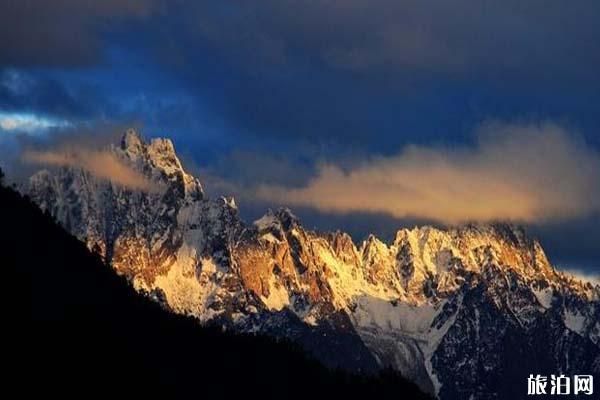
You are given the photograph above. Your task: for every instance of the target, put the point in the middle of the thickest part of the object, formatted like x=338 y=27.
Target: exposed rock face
x=470 y=311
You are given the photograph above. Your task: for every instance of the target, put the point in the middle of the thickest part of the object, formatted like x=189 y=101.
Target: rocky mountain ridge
x=452 y=310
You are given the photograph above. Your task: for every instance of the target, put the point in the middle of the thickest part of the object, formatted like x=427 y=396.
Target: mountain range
x=74 y=329
x=464 y=312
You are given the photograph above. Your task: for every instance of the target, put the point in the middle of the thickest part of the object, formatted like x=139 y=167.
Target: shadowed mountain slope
x=74 y=328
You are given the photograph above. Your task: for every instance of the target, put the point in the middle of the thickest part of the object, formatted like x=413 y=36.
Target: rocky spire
x=132 y=142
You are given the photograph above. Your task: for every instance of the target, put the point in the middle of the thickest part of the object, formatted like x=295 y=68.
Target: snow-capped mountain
x=464 y=312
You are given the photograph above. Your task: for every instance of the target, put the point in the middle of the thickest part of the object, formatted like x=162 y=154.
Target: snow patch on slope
x=188 y=292
x=278 y=297
x=266 y=221
x=544 y=296
x=575 y=321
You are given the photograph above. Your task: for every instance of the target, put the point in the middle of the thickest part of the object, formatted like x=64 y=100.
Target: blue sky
x=264 y=92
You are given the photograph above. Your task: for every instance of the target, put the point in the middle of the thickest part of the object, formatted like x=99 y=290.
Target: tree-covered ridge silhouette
x=76 y=329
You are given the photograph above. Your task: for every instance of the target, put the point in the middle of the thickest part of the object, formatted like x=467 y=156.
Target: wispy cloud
x=29 y=123
x=102 y=164
x=519 y=173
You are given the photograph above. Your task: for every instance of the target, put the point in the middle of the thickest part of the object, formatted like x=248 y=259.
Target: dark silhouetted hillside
x=73 y=328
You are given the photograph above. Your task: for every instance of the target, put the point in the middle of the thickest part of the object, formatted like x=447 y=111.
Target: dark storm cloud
x=61 y=32
x=531 y=38
x=527 y=38
x=344 y=71
x=337 y=71
x=40 y=94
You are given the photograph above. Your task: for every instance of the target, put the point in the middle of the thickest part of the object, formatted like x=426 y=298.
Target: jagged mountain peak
x=132 y=141
x=417 y=304
x=288 y=219
x=158 y=160
x=282 y=219
x=372 y=244
x=160 y=152
x=506 y=231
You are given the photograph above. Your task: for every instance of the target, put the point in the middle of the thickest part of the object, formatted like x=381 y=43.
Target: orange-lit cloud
x=518 y=173
x=102 y=164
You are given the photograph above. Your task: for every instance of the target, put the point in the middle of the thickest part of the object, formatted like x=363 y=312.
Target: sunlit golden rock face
x=134 y=258
x=277 y=260
x=402 y=300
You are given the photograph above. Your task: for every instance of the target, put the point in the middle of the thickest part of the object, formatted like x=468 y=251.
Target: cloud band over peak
x=517 y=173
x=102 y=164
